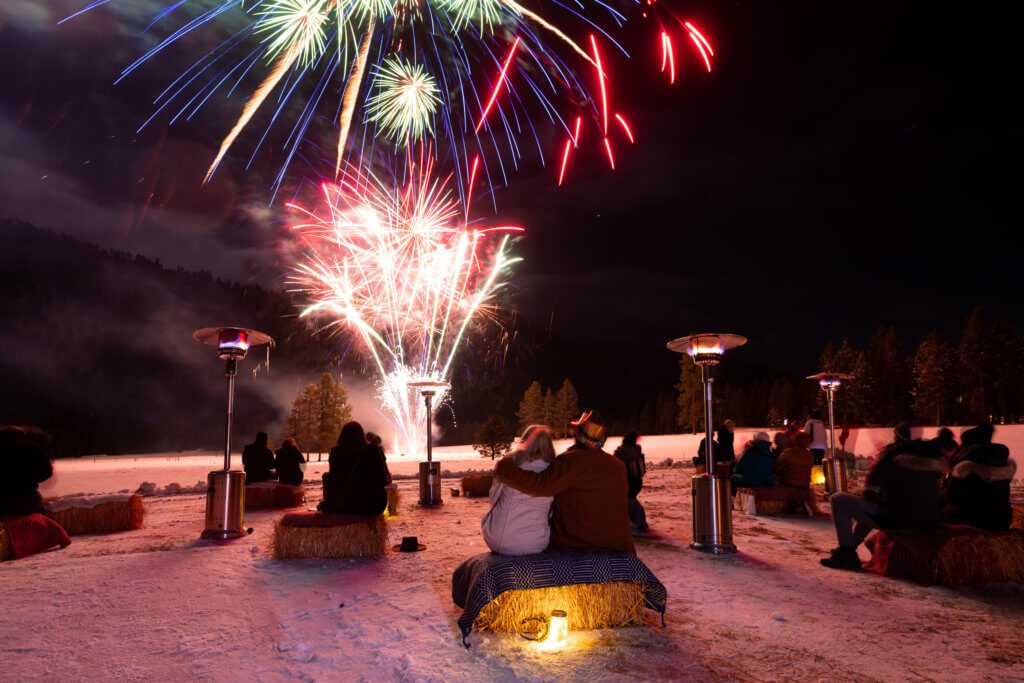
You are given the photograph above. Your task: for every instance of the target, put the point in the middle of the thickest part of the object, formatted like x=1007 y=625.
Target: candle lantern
x=430 y=471
x=558 y=628
x=833 y=466
x=712 y=496
x=225 y=490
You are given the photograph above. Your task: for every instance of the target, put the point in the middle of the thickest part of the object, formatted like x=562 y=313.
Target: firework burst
x=394 y=267
x=405 y=102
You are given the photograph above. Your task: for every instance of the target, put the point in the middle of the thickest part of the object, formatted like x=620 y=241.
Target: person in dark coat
x=977 y=490
x=378 y=443
x=24 y=464
x=288 y=462
x=357 y=475
x=901 y=492
x=258 y=460
x=793 y=466
x=754 y=468
x=631 y=455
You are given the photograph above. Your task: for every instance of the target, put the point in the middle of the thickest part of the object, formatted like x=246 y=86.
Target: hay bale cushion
x=394 y=496
x=272 y=494
x=952 y=555
x=772 y=500
x=1018 y=514
x=97 y=514
x=315 y=534
x=601 y=589
x=477 y=484
x=21 y=536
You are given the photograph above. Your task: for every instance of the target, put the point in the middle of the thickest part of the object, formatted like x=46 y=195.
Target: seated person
x=378 y=443
x=793 y=466
x=976 y=491
x=357 y=476
x=754 y=468
x=590 y=512
x=258 y=460
x=24 y=464
x=901 y=492
x=632 y=456
x=288 y=462
x=517 y=523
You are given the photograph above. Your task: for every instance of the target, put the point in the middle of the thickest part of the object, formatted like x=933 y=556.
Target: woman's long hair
x=539 y=445
x=351 y=439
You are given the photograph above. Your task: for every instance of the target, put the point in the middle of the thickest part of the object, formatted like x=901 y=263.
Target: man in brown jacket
x=793 y=466
x=589 y=486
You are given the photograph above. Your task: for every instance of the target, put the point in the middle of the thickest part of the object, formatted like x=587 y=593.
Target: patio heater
x=430 y=471
x=712 y=497
x=833 y=467
x=225 y=489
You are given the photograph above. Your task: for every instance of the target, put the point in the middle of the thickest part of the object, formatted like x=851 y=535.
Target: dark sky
x=845 y=166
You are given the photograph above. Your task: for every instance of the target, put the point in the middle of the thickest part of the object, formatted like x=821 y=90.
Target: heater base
x=714 y=548
x=430 y=484
x=222 y=534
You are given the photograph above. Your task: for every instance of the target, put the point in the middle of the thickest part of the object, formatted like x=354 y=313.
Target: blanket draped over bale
x=24 y=535
x=308 y=534
x=272 y=494
x=486 y=577
x=97 y=514
x=477 y=484
x=951 y=555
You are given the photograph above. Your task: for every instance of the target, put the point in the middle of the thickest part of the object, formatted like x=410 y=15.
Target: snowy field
x=157 y=603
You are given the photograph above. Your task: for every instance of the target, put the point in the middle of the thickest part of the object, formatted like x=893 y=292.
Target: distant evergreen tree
x=691 y=396
x=493 y=440
x=975 y=366
x=301 y=423
x=781 y=401
x=888 y=376
x=854 y=399
x=531 y=408
x=666 y=414
x=567 y=408
x=317 y=415
x=934 y=371
x=549 y=407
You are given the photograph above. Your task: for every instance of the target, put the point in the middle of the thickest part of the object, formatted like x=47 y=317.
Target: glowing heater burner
x=225 y=491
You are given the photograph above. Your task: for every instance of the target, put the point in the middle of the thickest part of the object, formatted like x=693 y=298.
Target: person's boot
x=842 y=558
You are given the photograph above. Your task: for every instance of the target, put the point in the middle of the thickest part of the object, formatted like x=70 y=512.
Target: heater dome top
x=697 y=344
x=830 y=376
x=211 y=335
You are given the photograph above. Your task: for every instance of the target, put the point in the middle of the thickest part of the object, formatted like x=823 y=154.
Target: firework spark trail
x=355 y=79
x=497 y=86
x=391 y=264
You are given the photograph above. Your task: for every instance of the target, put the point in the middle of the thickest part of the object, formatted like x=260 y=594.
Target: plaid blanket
x=484 y=577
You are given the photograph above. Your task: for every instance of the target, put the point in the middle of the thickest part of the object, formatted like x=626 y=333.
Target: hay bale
x=1018 y=515
x=589 y=606
x=6 y=551
x=97 y=514
x=394 y=496
x=772 y=500
x=366 y=537
x=272 y=494
x=981 y=557
x=477 y=485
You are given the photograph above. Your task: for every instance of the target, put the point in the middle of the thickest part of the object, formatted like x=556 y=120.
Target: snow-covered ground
x=158 y=603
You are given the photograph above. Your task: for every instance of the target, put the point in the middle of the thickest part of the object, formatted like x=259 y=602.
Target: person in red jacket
x=590 y=488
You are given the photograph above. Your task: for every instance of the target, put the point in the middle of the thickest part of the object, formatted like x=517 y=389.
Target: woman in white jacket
x=517 y=524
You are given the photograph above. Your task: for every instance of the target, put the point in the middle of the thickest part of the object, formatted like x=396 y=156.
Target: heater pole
x=705 y=371
x=831 y=423
x=428 y=398
x=232 y=364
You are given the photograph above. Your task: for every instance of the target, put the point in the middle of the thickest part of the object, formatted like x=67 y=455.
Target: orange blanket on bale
x=32 y=534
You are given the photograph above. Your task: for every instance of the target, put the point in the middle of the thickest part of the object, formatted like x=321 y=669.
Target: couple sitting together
x=575 y=502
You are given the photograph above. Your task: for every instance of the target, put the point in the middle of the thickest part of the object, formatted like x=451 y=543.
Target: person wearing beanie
x=258 y=460
x=754 y=468
x=977 y=490
x=901 y=492
x=590 y=488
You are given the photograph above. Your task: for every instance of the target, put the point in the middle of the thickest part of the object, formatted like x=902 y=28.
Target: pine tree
x=934 y=370
x=666 y=413
x=781 y=401
x=493 y=440
x=549 y=407
x=889 y=379
x=301 y=423
x=567 y=408
x=975 y=365
x=531 y=408
x=333 y=411
x=691 y=396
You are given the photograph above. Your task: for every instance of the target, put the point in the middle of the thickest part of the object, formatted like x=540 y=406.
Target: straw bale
x=394 y=497
x=360 y=539
x=589 y=606
x=978 y=558
x=1018 y=515
x=122 y=514
x=6 y=551
x=477 y=484
x=272 y=494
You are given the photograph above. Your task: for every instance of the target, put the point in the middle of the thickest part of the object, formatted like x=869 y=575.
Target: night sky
x=844 y=166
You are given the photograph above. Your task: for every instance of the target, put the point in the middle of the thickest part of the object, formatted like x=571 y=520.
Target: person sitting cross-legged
x=590 y=488
x=901 y=493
